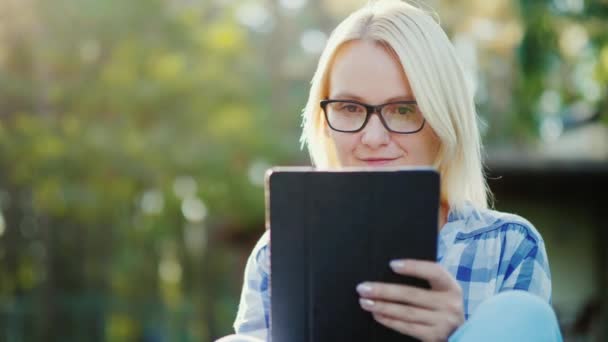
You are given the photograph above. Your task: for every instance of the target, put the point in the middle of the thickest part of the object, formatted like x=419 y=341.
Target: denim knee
x=511 y=316
x=526 y=306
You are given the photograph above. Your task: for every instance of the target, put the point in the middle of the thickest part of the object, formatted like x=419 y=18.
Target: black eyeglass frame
x=370 y=110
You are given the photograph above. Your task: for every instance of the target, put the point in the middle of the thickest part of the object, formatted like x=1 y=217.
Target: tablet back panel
x=332 y=230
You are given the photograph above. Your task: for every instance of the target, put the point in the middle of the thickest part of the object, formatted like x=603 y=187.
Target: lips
x=378 y=161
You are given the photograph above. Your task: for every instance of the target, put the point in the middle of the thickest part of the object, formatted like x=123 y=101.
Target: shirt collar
x=464 y=219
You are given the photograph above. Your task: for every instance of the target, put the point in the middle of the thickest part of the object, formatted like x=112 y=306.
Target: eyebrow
x=360 y=99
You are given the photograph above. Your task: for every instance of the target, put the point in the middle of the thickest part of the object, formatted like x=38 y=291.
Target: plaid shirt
x=485 y=250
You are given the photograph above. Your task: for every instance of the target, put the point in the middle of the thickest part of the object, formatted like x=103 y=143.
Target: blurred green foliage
x=132 y=133
x=563 y=51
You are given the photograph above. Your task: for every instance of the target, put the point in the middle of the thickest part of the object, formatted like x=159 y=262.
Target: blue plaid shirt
x=485 y=250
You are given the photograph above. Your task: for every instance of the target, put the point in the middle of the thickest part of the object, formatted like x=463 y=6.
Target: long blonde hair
x=439 y=84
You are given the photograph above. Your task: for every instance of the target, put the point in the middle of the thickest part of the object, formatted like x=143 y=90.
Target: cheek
x=432 y=148
x=434 y=143
x=345 y=142
x=420 y=149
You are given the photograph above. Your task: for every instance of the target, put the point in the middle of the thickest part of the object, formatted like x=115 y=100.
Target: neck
x=444 y=208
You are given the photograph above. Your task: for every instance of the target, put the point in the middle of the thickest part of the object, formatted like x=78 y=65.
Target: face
x=364 y=71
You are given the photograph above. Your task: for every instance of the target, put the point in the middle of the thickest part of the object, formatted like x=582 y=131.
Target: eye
x=351 y=108
x=403 y=109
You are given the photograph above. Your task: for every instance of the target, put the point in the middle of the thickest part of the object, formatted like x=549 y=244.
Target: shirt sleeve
x=253 y=314
x=528 y=267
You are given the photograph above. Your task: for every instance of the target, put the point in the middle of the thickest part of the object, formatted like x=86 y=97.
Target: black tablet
x=331 y=230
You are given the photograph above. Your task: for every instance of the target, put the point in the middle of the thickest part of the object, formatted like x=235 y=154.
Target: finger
x=435 y=274
x=401 y=312
x=400 y=293
x=417 y=330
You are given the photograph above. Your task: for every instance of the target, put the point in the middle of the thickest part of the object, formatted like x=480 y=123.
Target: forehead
x=366 y=71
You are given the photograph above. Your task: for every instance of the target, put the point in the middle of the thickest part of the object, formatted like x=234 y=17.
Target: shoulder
x=260 y=254
x=510 y=237
x=479 y=223
x=511 y=244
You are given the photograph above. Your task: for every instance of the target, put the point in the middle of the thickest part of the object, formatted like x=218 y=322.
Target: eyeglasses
x=351 y=116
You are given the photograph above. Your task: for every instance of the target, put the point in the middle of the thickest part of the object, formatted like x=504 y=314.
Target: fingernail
x=366 y=303
x=364 y=288
x=397 y=264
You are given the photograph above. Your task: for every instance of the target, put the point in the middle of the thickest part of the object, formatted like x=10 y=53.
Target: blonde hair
x=438 y=81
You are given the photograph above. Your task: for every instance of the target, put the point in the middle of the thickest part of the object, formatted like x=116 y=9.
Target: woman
x=389 y=91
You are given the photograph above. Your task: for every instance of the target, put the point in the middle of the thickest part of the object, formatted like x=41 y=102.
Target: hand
x=429 y=315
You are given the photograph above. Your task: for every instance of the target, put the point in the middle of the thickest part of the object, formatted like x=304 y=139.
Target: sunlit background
x=134 y=136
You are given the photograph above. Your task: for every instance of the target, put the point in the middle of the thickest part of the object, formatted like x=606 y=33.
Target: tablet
x=331 y=230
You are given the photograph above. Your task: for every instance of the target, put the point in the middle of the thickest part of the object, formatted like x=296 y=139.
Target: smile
x=378 y=161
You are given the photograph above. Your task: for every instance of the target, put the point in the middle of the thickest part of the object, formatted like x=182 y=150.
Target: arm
x=528 y=268
x=254 y=307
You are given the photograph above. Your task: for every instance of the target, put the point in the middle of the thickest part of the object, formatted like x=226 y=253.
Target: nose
x=375 y=134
